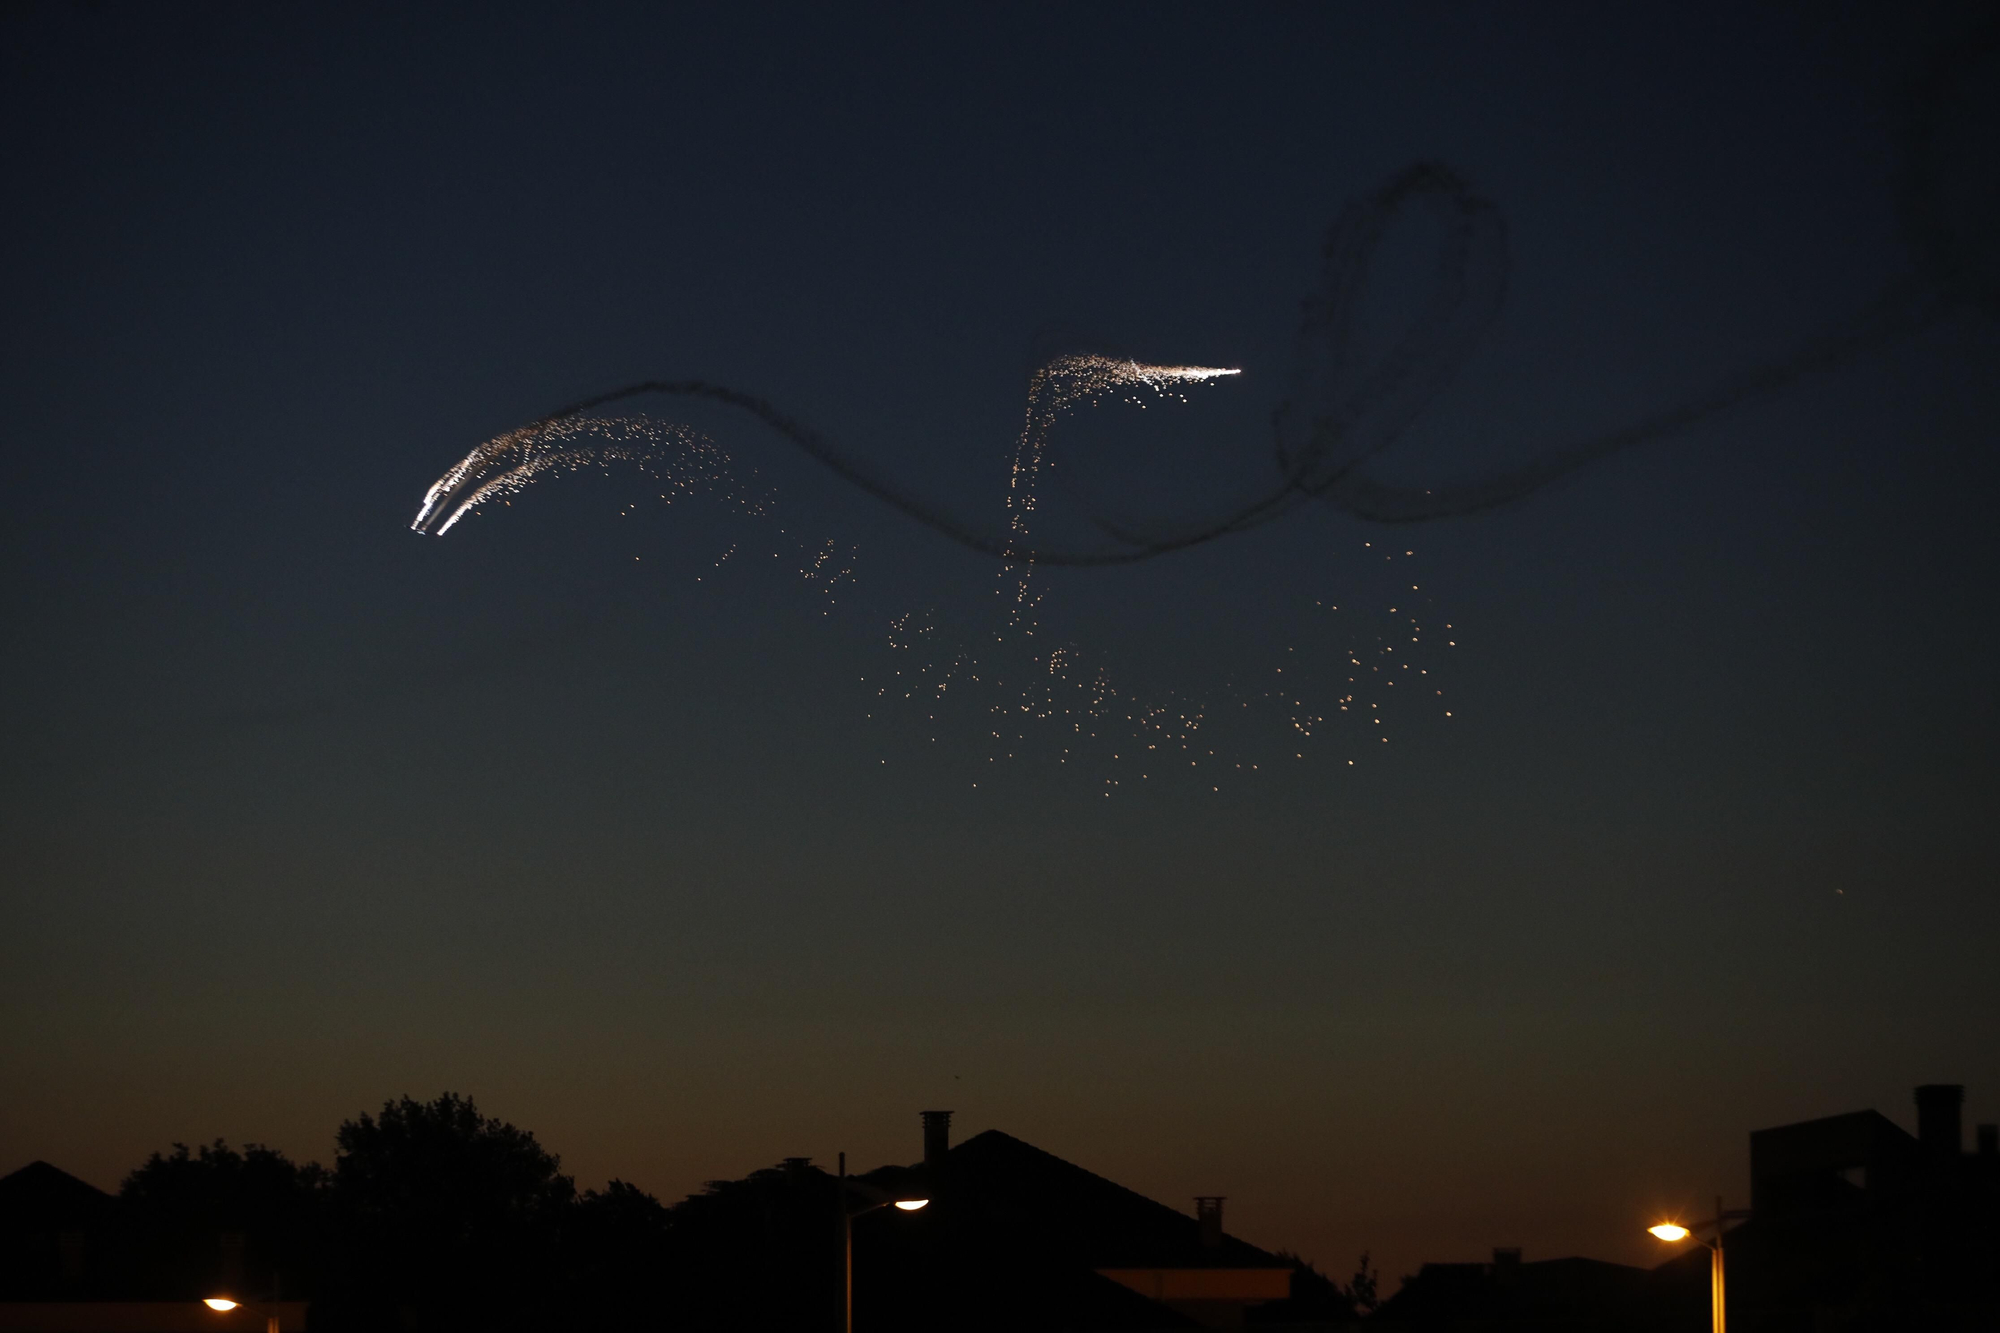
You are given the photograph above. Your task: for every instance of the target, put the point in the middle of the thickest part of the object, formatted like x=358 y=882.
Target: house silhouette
x=61 y=1238
x=1856 y=1224
x=73 y=1259
x=1017 y=1237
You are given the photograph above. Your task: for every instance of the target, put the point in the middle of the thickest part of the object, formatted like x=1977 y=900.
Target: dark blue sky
x=304 y=811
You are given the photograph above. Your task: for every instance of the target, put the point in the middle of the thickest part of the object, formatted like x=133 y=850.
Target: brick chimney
x=937 y=1141
x=1208 y=1216
x=1938 y=1118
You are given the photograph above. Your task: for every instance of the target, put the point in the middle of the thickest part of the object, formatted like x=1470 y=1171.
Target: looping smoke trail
x=1340 y=414
x=1338 y=418
x=1950 y=205
x=1905 y=307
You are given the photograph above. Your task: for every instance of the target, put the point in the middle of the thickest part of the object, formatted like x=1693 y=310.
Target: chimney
x=1507 y=1258
x=1937 y=1118
x=1989 y=1141
x=1208 y=1216
x=937 y=1141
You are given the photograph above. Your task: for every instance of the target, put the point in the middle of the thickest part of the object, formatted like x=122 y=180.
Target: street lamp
x=224 y=1304
x=870 y=1199
x=1673 y=1232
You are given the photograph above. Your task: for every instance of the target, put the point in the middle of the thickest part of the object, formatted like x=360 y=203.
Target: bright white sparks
x=1020 y=679
x=683 y=459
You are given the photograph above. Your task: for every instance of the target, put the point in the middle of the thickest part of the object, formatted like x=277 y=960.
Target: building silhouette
x=73 y=1259
x=1856 y=1224
x=61 y=1238
x=1047 y=1243
x=1013 y=1237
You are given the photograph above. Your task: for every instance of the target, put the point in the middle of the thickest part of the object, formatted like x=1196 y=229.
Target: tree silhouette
x=1361 y=1288
x=1315 y=1299
x=215 y=1218
x=452 y=1219
x=617 y=1245
x=759 y=1254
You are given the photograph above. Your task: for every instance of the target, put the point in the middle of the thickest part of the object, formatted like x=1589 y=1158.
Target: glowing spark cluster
x=1084 y=714
x=1059 y=687
x=1026 y=689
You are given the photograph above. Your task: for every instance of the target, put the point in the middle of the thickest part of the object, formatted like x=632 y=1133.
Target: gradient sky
x=304 y=811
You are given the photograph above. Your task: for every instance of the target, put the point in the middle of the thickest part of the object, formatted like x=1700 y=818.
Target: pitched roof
x=1004 y=1186
x=46 y=1195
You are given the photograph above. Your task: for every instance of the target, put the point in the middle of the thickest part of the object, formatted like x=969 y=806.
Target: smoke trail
x=1340 y=412
x=1338 y=416
x=1950 y=205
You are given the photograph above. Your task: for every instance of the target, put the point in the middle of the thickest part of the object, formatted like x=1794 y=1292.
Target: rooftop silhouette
x=437 y=1217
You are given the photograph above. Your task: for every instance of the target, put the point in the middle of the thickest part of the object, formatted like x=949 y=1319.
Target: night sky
x=601 y=811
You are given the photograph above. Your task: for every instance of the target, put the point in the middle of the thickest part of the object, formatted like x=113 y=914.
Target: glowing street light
x=872 y=1199
x=1673 y=1232
x=223 y=1304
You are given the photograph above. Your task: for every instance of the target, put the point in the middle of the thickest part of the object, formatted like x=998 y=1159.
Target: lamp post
x=1674 y=1232
x=871 y=1199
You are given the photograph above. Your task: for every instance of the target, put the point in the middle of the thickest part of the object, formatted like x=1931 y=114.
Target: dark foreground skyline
x=606 y=812
x=434 y=1216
